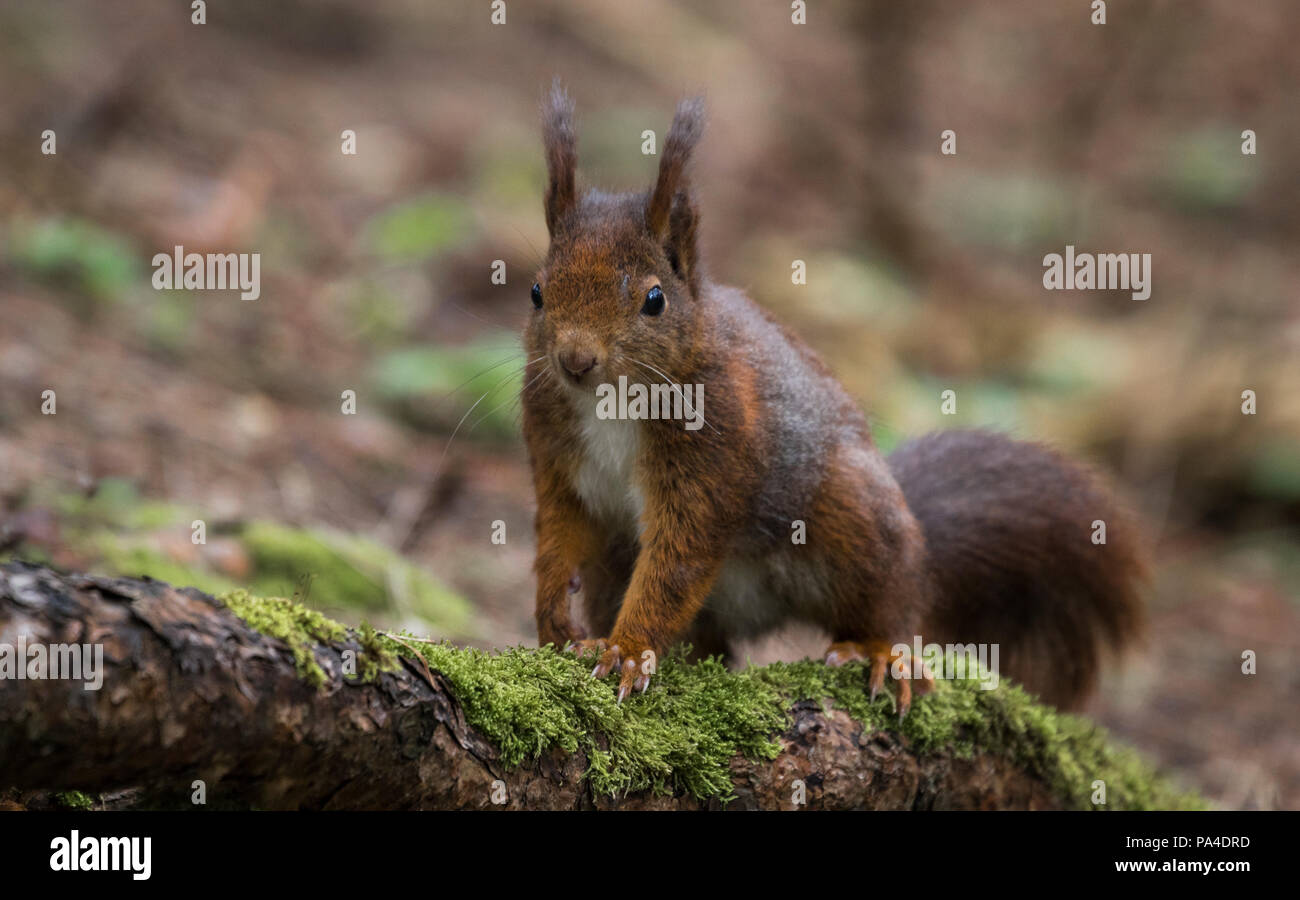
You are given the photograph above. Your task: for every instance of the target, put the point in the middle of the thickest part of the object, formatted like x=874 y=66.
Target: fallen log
x=247 y=703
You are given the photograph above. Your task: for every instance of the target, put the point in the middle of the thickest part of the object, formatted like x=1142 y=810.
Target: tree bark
x=190 y=693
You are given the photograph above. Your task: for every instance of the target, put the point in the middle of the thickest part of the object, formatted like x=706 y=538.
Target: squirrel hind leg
x=882 y=658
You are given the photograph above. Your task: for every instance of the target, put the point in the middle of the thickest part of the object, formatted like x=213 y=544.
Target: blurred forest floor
x=924 y=275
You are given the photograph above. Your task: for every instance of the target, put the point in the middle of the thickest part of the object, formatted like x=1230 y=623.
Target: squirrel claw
x=879 y=655
x=631 y=675
x=632 y=678
x=878 y=662
x=904 y=698
x=609 y=657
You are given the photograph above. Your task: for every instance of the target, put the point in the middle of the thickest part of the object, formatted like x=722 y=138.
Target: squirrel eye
x=654 y=302
x=537 y=296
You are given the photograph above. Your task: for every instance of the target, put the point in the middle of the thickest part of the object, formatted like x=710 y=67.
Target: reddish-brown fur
x=686 y=535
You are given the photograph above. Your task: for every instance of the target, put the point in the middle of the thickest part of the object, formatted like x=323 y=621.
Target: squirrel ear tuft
x=687 y=127
x=671 y=215
x=561 y=142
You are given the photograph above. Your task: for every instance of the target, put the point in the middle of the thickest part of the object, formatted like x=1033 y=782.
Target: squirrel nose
x=577 y=362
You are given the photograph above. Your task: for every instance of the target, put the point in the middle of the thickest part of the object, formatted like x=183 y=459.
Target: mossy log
x=193 y=692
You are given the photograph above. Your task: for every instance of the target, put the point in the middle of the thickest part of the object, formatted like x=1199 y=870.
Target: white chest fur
x=606 y=470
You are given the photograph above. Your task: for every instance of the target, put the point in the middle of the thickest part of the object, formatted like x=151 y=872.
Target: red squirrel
x=680 y=534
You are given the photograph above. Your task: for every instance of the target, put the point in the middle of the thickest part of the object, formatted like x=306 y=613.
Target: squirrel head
x=618 y=293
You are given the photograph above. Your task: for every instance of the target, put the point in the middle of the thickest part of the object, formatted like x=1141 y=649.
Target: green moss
x=1068 y=752
x=123 y=555
x=116 y=503
x=349 y=573
x=684 y=731
x=375 y=656
x=130 y=536
x=74 y=800
x=302 y=629
x=299 y=627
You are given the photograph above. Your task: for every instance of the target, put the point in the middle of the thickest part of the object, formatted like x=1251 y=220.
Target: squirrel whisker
x=546 y=371
x=686 y=402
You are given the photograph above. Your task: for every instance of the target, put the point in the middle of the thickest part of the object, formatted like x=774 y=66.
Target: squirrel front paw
x=635 y=662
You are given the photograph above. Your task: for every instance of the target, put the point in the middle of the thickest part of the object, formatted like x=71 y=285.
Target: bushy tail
x=1012 y=561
